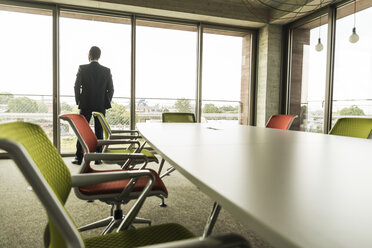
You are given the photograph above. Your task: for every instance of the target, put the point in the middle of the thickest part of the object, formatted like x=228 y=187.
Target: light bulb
x=354 y=37
x=319 y=46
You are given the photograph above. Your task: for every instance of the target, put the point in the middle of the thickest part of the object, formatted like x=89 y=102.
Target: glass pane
x=78 y=32
x=223 y=82
x=26 y=66
x=165 y=69
x=308 y=75
x=352 y=95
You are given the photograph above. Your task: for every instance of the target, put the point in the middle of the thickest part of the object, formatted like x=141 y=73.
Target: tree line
x=118 y=114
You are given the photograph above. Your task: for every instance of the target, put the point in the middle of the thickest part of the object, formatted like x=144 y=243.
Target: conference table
x=295 y=189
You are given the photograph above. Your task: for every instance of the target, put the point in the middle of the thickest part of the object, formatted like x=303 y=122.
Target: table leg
x=161 y=165
x=211 y=219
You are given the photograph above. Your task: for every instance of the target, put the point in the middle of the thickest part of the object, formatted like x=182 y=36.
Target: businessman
x=93 y=92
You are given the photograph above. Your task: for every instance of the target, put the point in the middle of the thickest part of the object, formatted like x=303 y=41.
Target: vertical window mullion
x=199 y=73
x=253 y=82
x=133 y=75
x=56 y=129
x=330 y=69
x=288 y=71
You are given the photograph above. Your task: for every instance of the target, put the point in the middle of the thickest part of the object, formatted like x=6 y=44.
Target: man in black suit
x=93 y=92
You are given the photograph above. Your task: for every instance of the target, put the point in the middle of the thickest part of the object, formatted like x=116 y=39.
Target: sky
x=166 y=59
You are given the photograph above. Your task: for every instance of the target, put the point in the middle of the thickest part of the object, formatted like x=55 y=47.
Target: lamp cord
x=320 y=24
x=320 y=18
x=354 y=13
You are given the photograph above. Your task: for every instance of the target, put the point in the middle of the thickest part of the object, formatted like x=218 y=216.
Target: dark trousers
x=97 y=129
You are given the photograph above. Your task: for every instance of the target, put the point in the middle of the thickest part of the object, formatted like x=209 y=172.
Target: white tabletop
x=295 y=189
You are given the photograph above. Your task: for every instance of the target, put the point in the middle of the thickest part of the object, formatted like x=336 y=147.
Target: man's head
x=94 y=53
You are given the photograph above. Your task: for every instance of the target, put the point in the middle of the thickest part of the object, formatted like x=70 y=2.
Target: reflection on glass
x=78 y=32
x=308 y=74
x=26 y=66
x=352 y=95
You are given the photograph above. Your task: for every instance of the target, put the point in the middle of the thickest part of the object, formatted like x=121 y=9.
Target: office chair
x=43 y=167
x=352 y=127
x=281 y=121
x=111 y=193
x=178 y=117
x=123 y=134
x=174 y=117
x=112 y=133
x=89 y=142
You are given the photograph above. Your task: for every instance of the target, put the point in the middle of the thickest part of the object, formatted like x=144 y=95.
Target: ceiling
x=247 y=13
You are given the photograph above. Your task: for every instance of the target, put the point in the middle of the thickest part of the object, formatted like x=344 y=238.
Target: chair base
x=162 y=204
x=111 y=223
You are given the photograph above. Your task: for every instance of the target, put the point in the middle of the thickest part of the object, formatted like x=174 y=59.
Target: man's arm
x=110 y=87
x=77 y=86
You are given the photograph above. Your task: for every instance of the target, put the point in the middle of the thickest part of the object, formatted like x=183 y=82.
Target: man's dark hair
x=95 y=53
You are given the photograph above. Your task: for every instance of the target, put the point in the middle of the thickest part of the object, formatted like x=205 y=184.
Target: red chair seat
x=117 y=187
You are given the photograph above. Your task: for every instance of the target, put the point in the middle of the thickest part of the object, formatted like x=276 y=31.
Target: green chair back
x=352 y=127
x=105 y=126
x=43 y=154
x=178 y=117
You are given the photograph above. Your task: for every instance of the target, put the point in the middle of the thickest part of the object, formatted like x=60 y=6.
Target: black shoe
x=98 y=162
x=76 y=161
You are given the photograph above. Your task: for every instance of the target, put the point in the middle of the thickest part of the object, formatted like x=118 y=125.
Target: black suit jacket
x=93 y=87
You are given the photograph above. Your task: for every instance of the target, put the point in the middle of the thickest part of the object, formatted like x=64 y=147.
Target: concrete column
x=245 y=80
x=269 y=72
x=301 y=37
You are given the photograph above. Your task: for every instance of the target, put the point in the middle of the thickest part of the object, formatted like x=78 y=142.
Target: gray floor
x=23 y=218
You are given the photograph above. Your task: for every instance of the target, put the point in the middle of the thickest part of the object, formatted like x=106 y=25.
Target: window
x=308 y=75
x=165 y=62
x=78 y=33
x=225 y=78
x=165 y=69
x=352 y=93
x=27 y=66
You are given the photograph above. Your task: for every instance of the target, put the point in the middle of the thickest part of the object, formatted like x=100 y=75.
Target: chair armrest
x=129 y=161
x=117 y=142
x=125 y=137
x=118 y=157
x=85 y=179
x=114 y=156
x=229 y=240
x=124 y=131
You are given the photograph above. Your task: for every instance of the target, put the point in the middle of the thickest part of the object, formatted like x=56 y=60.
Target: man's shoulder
x=83 y=66
x=105 y=68
x=94 y=66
